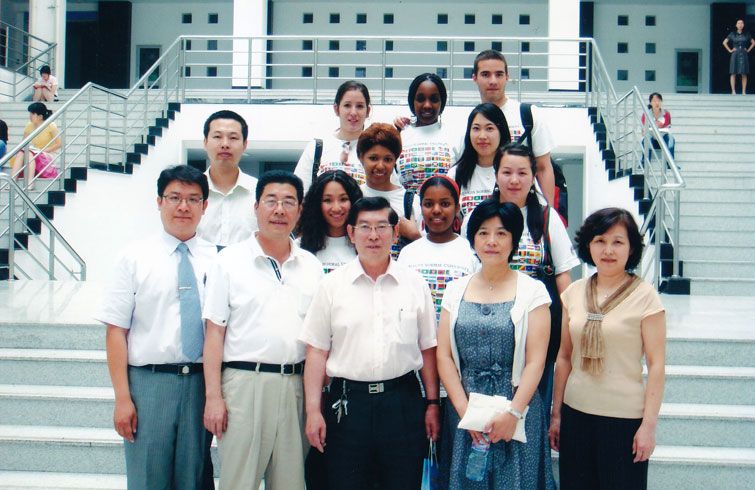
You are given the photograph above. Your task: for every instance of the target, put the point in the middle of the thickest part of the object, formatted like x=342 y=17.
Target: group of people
x=325 y=324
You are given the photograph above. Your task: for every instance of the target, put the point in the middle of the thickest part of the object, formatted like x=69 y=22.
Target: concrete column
x=249 y=20
x=563 y=57
x=47 y=20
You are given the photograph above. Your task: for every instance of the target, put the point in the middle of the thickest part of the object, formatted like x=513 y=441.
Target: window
x=306 y=71
x=333 y=71
x=497 y=45
x=442 y=72
x=212 y=71
x=468 y=45
x=468 y=73
x=334 y=45
x=387 y=18
x=622 y=75
x=389 y=45
x=306 y=45
x=650 y=75
x=526 y=47
x=649 y=48
x=441 y=46
x=307 y=18
x=187 y=71
x=360 y=72
x=212 y=18
x=524 y=19
x=497 y=19
x=188 y=44
x=650 y=20
x=525 y=74
x=212 y=45
x=185 y=18
x=335 y=18
x=622 y=20
x=361 y=45
x=442 y=18
x=622 y=48
x=388 y=72
x=361 y=18
x=469 y=18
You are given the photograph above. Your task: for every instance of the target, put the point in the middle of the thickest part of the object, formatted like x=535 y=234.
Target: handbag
x=430 y=471
x=546 y=274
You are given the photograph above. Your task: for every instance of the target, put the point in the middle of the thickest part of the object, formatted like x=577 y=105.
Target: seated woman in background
x=427 y=147
x=337 y=150
x=322 y=225
x=486 y=133
x=661 y=119
x=378 y=148
x=604 y=417
x=41 y=148
x=492 y=339
x=46 y=88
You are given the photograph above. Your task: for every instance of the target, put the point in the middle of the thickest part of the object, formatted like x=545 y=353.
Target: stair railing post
x=248 y=71
x=11 y=228
x=125 y=130
x=677 y=232
x=107 y=128
x=89 y=128
x=51 y=257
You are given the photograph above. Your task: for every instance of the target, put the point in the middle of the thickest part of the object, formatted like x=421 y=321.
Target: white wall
x=109 y=209
x=678 y=26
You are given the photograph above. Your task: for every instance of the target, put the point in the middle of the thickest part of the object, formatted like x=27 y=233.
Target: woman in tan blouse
x=604 y=417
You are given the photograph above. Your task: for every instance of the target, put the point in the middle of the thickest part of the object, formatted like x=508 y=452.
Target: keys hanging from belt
x=341 y=406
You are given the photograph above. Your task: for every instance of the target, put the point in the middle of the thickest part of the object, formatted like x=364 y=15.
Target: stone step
x=735 y=181
x=717 y=238
x=701 y=468
x=682 y=424
x=727 y=253
x=719 y=268
x=722 y=286
x=713 y=351
x=726 y=159
x=710 y=384
x=717 y=208
x=52 y=336
x=717 y=195
x=17 y=480
x=65 y=450
x=54 y=367
x=720 y=223
x=687 y=136
x=695 y=144
x=694 y=127
x=42 y=405
x=720 y=167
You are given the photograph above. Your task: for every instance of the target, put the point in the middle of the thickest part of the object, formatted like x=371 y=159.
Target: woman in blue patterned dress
x=492 y=339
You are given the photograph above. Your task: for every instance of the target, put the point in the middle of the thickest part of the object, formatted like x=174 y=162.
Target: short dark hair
x=226 y=114
x=39 y=109
x=598 y=223
x=490 y=54
x=371 y=204
x=379 y=134
x=312 y=227
x=279 y=177
x=45 y=70
x=350 y=85
x=510 y=216
x=427 y=77
x=185 y=174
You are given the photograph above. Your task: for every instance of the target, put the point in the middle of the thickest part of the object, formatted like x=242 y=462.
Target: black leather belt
x=261 y=367
x=179 y=369
x=372 y=388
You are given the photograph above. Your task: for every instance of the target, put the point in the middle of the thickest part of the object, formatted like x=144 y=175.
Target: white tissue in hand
x=482 y=408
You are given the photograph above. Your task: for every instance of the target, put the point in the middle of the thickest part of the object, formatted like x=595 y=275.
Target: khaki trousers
x=265 y=435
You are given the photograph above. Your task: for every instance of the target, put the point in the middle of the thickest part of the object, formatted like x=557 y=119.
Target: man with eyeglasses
x=229 y=217
x=154 y=341
x=370 y=327
x=257 y=294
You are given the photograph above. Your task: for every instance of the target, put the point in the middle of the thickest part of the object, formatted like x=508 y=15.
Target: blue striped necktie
x=192 y=331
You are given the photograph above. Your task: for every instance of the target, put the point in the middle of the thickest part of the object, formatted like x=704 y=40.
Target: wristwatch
x=432 y=401
x=516 y=413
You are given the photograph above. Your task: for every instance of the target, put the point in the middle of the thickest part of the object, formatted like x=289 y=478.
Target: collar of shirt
x=354 y=271
x=244 y=181
x=172 y=242
x=257 y=251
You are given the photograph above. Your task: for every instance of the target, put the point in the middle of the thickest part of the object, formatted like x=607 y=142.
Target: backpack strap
x=525 y=112
x=316 y=161
x=408 y=201
x=547 y=257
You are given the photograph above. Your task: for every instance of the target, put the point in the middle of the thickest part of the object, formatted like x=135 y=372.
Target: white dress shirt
x=261 y=303
x=373 y=330
x=229 y=218
x=142 y=296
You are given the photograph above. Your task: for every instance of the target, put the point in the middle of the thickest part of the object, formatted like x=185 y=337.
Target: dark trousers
x=382 y=439
x=596 y=453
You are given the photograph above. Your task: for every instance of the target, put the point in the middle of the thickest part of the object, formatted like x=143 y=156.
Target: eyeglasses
x=175 y=200
x=288 y=203
x=380 y=229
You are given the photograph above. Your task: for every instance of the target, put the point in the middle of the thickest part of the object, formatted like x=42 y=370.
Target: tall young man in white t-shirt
x=491 y=72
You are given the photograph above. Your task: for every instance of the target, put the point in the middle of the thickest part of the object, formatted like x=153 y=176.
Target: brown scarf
x=592 y=344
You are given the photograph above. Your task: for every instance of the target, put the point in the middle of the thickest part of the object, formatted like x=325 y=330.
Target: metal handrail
x=54 y=261
x=29 y=57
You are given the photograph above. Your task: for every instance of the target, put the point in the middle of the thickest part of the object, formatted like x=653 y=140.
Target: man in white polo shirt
x=152 y=309
x=371 y=326
x=257 y=295
x=229 y=217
